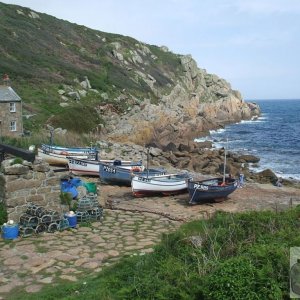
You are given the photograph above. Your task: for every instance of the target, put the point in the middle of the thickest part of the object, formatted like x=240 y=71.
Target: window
x=13 y=126
x=12 y=107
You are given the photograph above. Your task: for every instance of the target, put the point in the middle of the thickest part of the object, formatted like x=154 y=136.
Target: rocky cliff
x=196 y=103
x=85 y=80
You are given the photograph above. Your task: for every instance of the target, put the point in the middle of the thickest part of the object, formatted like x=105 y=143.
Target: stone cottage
x=11 y=123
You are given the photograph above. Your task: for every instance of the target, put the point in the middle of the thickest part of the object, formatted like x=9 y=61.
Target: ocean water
x=274 y=137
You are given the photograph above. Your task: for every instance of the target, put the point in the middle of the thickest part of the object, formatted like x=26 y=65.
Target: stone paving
x=27 y=264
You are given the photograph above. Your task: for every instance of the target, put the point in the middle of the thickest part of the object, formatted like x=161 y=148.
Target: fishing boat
x=115 y=174
x=218 y=189
x=56 y=159
x=69 y=151
x=79 y=166
x=167 y=184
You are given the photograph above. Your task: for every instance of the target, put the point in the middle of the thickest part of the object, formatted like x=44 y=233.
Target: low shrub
x=3 y=214
x=17 y=160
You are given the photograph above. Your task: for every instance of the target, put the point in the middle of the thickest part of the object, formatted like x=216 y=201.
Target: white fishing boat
x=79 y=166
x=167 y=184
x=56 y=159
x=69 y=151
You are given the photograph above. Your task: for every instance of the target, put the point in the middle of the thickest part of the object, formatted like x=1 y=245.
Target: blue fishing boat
x=217 y=189
x=78 y=166
x=116 y=174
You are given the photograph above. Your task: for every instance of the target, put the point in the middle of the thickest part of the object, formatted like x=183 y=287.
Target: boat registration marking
x=77 y=162
x=144 y=179
x=109 y=169
x=200 y=187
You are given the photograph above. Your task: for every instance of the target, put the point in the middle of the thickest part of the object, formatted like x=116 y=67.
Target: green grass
x=3 y=214
x=56 y=52
x=44 y=55
x=231 y=256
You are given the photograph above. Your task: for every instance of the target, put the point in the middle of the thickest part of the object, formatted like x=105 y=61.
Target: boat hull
x=111 y=174
x=55 y=159
x=79 y=166
x=165 y=184
x=212 y=189
x=69 y=151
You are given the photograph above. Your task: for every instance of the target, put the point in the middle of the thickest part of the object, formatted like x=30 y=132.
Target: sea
x=274 y=137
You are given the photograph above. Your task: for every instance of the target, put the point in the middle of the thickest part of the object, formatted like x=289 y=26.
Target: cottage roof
x=7 y=94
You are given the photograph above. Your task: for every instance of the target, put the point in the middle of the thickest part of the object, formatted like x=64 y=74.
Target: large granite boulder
x=249 y=158
x=266 y=176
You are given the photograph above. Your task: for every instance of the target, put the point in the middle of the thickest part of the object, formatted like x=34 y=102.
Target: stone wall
x=25 y=183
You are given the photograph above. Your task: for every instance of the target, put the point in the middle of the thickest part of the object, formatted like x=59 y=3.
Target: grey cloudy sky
x=253 y=44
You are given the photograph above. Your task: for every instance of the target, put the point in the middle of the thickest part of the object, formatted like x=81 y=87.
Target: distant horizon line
x=273 y=99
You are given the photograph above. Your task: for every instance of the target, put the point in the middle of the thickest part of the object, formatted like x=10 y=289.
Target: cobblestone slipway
x=30 y=263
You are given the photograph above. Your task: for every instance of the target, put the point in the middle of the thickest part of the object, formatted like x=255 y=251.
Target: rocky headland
x=196 y=103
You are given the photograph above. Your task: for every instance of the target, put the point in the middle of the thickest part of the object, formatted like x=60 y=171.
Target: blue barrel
x=10 y=232
x=72 y=218
x=76 y=182
x=68 y=187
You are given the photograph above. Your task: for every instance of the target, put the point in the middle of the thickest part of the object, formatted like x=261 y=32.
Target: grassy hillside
x=43 y=54
x=231 y=256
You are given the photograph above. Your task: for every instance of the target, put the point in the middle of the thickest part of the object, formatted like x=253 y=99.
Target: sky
x=253 y=44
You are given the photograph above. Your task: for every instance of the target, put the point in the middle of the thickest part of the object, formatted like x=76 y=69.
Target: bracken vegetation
x=45 y=54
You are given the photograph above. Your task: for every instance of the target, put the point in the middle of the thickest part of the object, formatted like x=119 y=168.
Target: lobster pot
x=96 y=213
x=50 y=216
x=85 y=204
x=82 y=216
x=64 y=224
x=28 y=220
x=10 y=232
x=72 y=219
x=33 y=209
x=94 y=199
x=26 y=231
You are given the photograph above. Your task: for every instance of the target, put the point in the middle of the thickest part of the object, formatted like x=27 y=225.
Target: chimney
x=6 y=80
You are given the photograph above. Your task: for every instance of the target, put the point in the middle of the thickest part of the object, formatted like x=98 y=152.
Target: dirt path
x=252 y=196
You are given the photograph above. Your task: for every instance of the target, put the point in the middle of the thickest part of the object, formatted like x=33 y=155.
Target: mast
x=51 y=129
x=147 y=165
x=224 y=171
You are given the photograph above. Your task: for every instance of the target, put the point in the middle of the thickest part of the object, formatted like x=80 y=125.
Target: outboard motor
x=117 y=162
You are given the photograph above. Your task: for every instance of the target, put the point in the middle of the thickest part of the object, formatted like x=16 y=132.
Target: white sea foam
x=253 y=121
x=288 y=176
x=198 y=140
x=221 y=130
x=204 y=139
x=262 y=118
